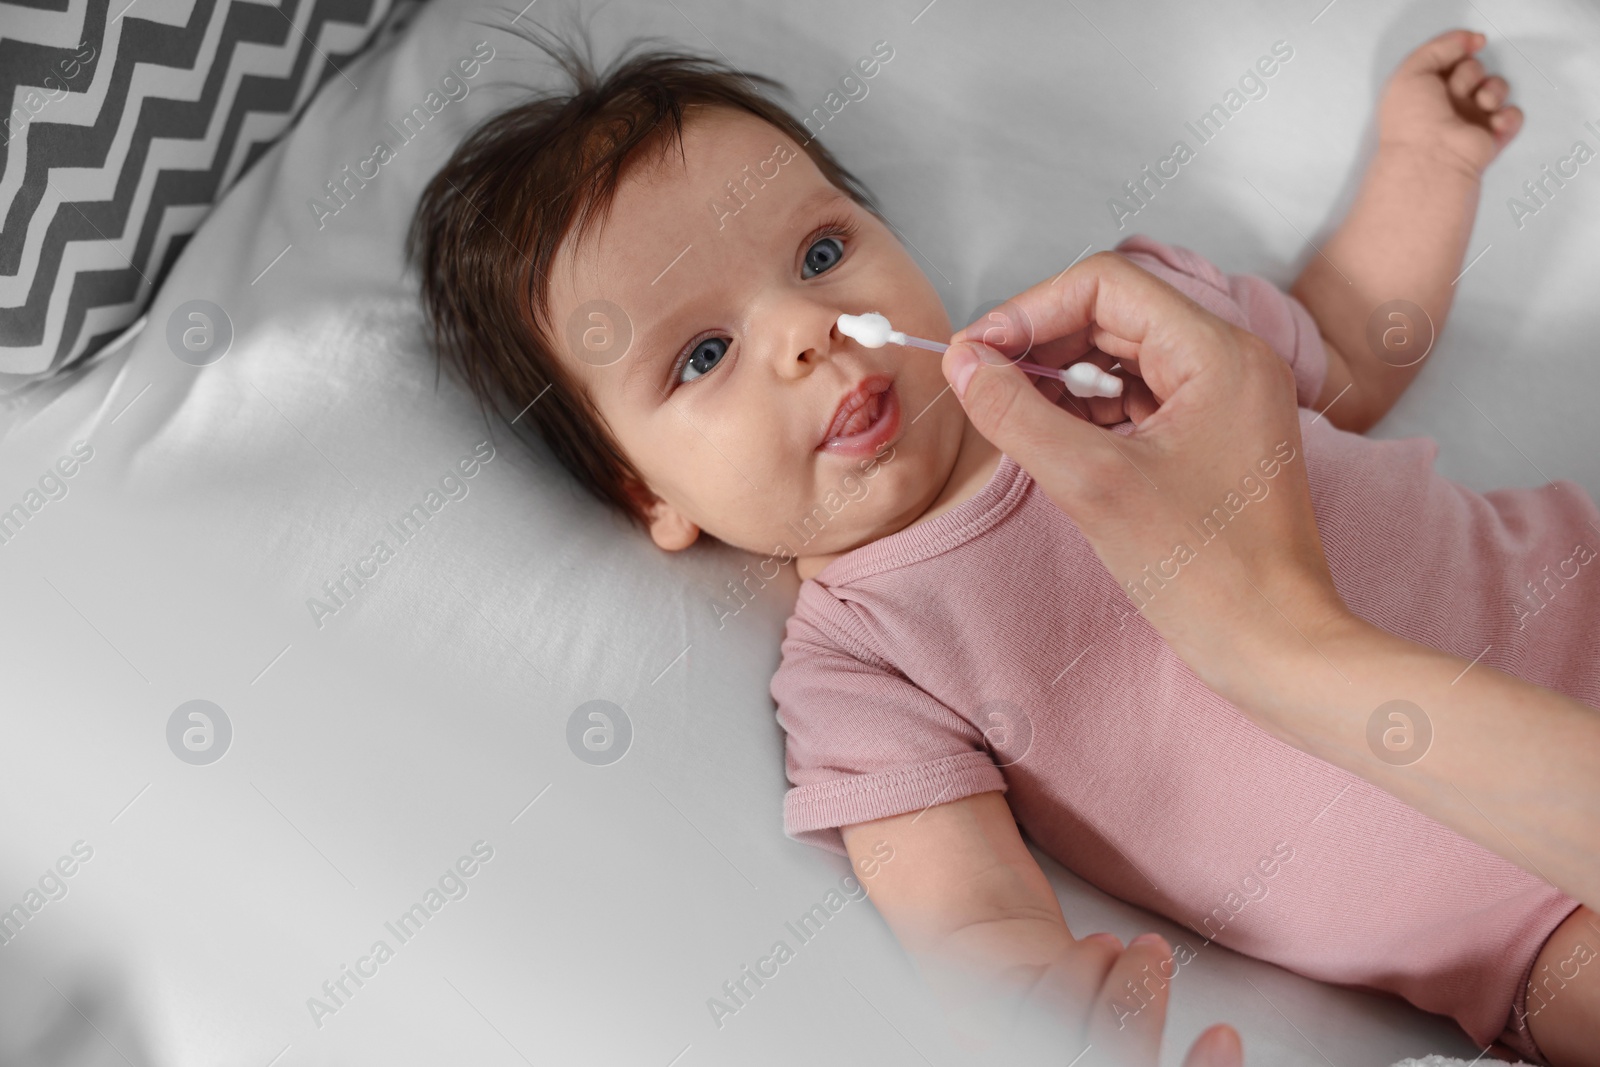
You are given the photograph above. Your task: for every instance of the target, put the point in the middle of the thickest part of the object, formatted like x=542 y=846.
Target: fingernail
x=963 y=364
x=1145 y=939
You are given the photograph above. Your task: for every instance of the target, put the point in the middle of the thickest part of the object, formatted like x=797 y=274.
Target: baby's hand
x=1439 y=102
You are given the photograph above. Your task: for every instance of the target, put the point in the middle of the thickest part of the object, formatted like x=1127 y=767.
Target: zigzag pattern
x=72 y=278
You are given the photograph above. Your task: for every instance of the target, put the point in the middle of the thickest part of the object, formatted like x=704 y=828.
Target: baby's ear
x=669 y=528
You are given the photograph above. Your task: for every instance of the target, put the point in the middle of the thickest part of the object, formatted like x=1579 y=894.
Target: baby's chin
x=856 y=500
x=909 y=476
x=838 y=522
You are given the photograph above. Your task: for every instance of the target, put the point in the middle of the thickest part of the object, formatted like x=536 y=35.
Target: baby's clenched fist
x=1439 y=101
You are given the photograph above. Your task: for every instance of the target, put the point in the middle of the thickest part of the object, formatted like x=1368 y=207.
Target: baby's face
x=736 y=367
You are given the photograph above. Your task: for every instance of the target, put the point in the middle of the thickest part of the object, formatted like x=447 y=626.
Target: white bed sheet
x=431 y=712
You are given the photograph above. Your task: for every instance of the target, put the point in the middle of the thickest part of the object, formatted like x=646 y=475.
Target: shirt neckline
x=923 y=540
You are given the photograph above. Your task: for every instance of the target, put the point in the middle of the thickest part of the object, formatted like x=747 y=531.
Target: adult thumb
x=1004 y=405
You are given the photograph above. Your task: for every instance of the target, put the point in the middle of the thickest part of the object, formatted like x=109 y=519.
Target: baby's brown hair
x=488 y=225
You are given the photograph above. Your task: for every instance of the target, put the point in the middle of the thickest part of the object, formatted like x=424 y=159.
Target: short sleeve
x=1245 y=300
x=861 y=741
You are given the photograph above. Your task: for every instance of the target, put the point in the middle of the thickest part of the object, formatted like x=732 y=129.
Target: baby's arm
x=1441 y=122
x=969 y=904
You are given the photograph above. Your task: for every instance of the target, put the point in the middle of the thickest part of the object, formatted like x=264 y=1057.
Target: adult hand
x=1225 y=443
x=1217 y=430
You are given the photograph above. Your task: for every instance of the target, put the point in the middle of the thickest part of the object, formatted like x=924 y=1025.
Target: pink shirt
x=1133 y=774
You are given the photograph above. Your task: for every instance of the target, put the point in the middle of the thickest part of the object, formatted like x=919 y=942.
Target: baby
x=651 y=270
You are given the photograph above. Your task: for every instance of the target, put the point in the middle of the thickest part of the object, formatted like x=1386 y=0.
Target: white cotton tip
x=1086 y=379
x=871 y=329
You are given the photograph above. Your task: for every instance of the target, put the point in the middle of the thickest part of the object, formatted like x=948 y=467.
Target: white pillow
x=374 y=746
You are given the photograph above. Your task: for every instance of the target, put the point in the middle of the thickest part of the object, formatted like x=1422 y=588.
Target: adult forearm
x=1510 y=765
x=1404 y=239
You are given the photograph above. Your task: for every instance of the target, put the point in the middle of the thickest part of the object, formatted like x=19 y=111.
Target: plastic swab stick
x=872 y=330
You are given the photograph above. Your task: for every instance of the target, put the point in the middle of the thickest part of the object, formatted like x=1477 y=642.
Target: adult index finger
x=1170 y=336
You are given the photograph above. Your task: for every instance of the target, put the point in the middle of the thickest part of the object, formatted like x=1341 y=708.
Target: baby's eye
x=823 y=253
x=703 y=358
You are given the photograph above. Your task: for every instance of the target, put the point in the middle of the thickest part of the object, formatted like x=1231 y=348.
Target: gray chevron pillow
x=126 y=124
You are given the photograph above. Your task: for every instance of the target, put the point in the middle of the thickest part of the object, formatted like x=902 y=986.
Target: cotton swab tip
x=871 y=330
x=1086 y=379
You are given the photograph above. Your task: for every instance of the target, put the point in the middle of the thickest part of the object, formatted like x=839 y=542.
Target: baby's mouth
x=858 y=407
x=867 y=416
x=863 y=417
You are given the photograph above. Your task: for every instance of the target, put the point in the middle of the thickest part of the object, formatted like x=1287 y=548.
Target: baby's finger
x=1100 y=410
x=1126 y=1021
x=1138 y=402
x=1492 y=93
x=1106 y=410
x=1442 y=53
x=1465 y=77
x=1058 y=394
x=1218 y=1046
x=1504 y=124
